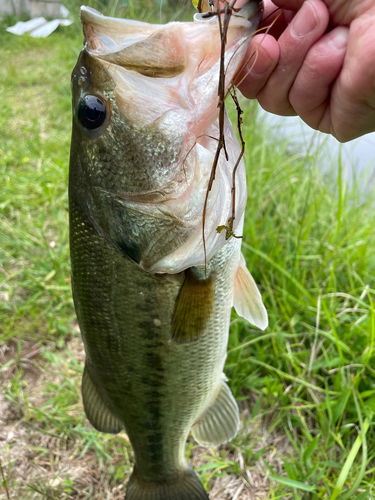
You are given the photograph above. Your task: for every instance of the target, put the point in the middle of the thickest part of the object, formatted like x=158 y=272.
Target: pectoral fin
x=96 y=411
x=193 y=307
x=247 y=299
x=219 y=422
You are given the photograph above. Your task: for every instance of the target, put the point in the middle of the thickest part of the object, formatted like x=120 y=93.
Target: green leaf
x=363 y=496
x=331 y=463
x=279 y=268
x=340 y=405
x=292 y=483
x=209 y=465
x=7 y=365
x=310 y=449
x=256 y=408
x=259 y=453
x=289 y=469
x=361 y=439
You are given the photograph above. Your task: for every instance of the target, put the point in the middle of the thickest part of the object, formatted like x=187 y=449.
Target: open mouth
x=164 y=114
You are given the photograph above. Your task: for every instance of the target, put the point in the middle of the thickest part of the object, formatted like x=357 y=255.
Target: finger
x=353 y=96
x=307 y=27
x=310 y=92
x=275 y=20
x=342 y=12
x=268 y=8
x=261 y=58
x=290 y=4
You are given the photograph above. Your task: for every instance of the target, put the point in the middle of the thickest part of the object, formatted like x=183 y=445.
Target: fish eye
x=91 y=112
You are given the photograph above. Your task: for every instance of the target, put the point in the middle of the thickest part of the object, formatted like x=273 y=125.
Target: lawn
x=305 y=387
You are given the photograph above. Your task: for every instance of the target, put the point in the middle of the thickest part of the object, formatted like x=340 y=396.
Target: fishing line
x=267 y=28
x=161 y=5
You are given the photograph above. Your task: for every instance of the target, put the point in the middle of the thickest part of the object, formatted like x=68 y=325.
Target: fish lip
x=156 y=197
x=134 y=203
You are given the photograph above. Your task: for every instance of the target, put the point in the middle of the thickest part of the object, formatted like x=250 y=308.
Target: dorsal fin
x=194 y=307
x=247 y=299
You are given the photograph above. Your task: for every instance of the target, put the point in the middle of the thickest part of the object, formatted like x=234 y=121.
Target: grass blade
x=293 y=483
x=360 y=441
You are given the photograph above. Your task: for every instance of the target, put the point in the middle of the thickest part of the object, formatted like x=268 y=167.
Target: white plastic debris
x=64 y=11
x=20 y=28
x=48 y=28
x=40 y=27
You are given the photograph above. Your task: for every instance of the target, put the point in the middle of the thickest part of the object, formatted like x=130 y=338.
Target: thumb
x=261 y=58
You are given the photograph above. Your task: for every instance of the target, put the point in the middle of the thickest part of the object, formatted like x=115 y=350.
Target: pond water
x=357 y=156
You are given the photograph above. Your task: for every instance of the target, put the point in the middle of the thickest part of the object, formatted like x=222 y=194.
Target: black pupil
x=91 y=112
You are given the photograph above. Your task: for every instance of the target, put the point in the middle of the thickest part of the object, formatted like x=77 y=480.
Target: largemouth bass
x=154 y=319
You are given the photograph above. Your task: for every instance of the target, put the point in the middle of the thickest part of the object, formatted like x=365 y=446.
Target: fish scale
x=147 y=393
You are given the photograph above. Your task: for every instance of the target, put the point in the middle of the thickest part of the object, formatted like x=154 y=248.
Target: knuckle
x=281 y=107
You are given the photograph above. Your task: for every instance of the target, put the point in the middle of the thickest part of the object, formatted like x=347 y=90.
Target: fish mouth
x=150 y=49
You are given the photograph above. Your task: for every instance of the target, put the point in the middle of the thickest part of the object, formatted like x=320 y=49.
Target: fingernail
x=305 y=21
x=339 y=39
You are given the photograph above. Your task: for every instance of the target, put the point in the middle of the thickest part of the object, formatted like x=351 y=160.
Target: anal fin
x=219 y=423
x=96 y=411
x=247 y=299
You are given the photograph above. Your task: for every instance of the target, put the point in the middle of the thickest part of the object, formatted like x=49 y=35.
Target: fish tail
x=184 y=485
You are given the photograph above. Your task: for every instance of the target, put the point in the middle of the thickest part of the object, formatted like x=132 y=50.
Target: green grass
x=306 y=386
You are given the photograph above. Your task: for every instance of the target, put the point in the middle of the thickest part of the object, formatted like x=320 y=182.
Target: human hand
x=326 y=76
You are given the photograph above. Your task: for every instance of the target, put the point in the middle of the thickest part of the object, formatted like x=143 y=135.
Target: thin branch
x=223 y=28
x=229 y=228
